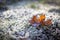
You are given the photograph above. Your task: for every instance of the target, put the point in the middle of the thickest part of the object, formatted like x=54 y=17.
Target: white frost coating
x=19 y=16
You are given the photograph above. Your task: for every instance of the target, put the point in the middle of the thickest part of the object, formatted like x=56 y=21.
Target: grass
x=33 y=6
x=41 y=1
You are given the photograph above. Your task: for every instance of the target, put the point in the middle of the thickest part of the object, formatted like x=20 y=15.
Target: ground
x=18 y=15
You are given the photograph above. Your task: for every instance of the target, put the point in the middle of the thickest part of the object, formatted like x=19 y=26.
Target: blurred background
x=4 y=3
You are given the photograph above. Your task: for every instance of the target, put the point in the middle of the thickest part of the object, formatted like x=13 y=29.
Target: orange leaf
x=41 y=18
x=48 y=22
